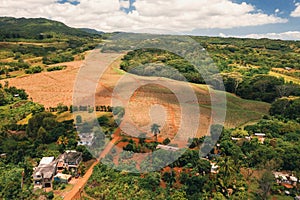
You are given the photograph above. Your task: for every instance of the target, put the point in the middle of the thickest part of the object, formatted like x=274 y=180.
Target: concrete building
x=44 y=173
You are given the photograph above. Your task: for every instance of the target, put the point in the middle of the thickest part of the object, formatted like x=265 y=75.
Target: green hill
x=92 y=31
x=38 y=28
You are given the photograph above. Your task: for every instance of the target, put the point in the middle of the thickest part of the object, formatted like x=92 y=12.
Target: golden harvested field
x=49 y=88
x=148 y=104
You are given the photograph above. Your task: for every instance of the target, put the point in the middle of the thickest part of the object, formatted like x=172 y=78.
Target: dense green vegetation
x=141 y=62
x=232 y=54
x=286 y=108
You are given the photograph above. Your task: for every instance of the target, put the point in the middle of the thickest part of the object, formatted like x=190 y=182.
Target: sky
x=276 y=19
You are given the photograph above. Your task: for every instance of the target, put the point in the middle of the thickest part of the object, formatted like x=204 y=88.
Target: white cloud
x=290 y=35
x=125 y=3
x=296 y=12
x=171 y=15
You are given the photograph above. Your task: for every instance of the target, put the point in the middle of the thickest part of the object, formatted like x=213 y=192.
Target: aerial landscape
x=149 y=99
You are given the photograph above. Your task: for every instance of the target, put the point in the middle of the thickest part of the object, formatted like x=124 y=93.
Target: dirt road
x=77 y=190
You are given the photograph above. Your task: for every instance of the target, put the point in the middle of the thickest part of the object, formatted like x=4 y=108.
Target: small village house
x=70 y=161
x=50 y=169
x=44 y=173
x=167 y=148
x=260 y=136
x=62 y=178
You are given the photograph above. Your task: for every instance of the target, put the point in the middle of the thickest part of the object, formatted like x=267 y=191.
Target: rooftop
x=168 y=148
x=46 y=172
x=72 y=155
x=46 y=161
x=63 y=176
x=260 y=134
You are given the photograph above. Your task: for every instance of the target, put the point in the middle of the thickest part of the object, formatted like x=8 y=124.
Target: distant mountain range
x=40 y=28
x=92 y=31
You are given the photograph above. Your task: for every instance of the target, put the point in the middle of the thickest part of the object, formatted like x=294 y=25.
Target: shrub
x=166 y=141
x=56 y=68
x=34 y=70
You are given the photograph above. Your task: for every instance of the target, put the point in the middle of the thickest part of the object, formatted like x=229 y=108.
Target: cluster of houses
x=50 y=169
x=289 y=181
x=260 y=136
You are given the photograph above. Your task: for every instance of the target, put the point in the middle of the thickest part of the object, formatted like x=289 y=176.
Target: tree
x=166 y=141
x=62 y=108
x=239 y=133
x=280 y=106
x=86 y=155
x=260 y=87
x=226 y=176
x=169 y=178
x=155 y=130
x=103 y=121
x=50 y=195
x=49 y=123
x=3 y=99
x=203 y=166
x=62 y=142
x=10 y=182
x=232 y=81
x=151 y=181
x=285 y=90
x=42 y=134
x=78 y=119
x=195 y=186
x=142 y=138
x=36 y=122
x=265 y=184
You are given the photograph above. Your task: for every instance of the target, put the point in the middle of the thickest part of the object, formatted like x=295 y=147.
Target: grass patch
x=65 y=116
x=286 y=78
x=25 y=120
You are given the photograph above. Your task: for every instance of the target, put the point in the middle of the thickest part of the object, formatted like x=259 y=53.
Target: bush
x=166 y=141
x=34 y=70
x=50 y=195
x=55 y=68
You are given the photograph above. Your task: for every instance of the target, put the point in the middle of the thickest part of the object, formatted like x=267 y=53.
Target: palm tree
x=155 y=130
x=227 y=175
x=62 y=141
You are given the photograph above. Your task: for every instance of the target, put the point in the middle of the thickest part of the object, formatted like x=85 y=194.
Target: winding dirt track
x=76 y=191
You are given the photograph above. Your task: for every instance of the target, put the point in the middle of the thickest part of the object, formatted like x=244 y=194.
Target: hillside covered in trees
x=39 y=29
